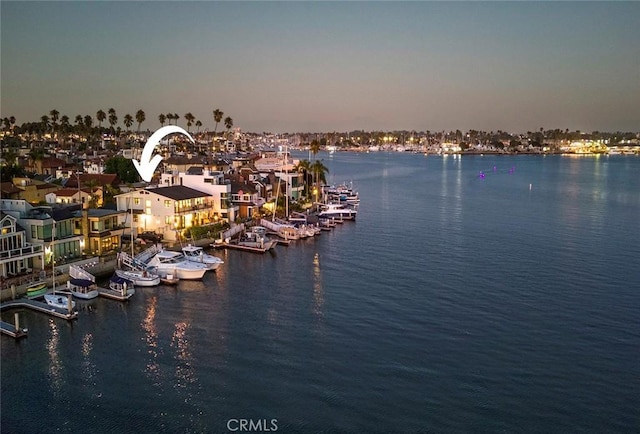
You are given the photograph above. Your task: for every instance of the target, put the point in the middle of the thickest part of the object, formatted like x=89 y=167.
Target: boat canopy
x=120 y=280
x=81 y=282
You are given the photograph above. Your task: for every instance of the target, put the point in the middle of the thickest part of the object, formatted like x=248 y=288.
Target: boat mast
x=53 y=256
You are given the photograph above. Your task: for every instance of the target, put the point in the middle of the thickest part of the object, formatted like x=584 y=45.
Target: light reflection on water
x=151 y=337
x=185 y=373
x=318 y=293
x=89 y=369
x=56 y=370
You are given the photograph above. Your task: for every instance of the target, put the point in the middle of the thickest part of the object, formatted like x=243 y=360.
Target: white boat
x=257 y=239
x=197 y=254
x=169 y=279
x=139 y=278
x=82 y=288
x=337 y=211
x=120 y=287
x=167 y=262
x=58 y=300
x=81 y=283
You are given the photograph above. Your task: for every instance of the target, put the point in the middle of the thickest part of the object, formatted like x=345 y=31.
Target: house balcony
x=192 y=208
x=21 y=252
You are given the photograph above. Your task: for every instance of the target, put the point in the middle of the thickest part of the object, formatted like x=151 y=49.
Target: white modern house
x=210 y=182
x=167 y=210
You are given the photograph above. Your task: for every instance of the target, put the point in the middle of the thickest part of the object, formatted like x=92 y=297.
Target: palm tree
x=319 y=171
x=304 y=167
x=88 y=122
x=314 y=147
x=198 y=124
x=54 y=118
x=162 y=119
x=140 y=118
x=113 y=120
x=100 y=116
x=189 y=118
x=228 y=123
x=128 y=121
x=44 y=121
x=217 y=117
x=64 y=126
x=79 y=122
x=176 y=116
x=36 y=155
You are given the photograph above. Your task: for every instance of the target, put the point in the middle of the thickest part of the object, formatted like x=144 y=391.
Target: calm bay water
x=455 y=303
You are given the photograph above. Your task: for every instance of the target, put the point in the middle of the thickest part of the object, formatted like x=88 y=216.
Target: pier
x=39 y=306
x=11 y=330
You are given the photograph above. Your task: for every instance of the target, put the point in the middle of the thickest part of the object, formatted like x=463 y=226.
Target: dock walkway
x=39 y=306
x=11 y=330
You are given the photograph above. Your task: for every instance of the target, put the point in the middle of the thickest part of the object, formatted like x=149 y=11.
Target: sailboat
x=139 y=274
x=57 y=300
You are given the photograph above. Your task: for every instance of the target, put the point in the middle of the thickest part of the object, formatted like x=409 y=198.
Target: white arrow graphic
x=147 y=165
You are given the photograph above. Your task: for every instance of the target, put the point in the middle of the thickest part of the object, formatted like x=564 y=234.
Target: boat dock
x=246 y=248
x=11 y=330
x=39 y=306
x=113 y=295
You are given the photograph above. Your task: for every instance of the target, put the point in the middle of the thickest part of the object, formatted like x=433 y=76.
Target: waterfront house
x=52 y=227
x=17 y=256
x=213 y=183
x=245 y=196
x=104 y=229
x=167 y=210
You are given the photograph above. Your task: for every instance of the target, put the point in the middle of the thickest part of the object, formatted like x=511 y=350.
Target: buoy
x=530 y=186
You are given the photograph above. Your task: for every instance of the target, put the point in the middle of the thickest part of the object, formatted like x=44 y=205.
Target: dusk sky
x=328 y=66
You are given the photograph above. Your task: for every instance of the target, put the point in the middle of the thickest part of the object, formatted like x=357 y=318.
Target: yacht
x=167 y=262
x=337 y=211
x=197 y=254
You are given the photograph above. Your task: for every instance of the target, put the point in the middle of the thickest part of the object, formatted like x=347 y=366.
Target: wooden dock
x=41 y=307
x=114 y=295
x=11 y=330
x=246 y=248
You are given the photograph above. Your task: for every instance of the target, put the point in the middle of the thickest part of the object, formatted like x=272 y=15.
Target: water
x=455 y=303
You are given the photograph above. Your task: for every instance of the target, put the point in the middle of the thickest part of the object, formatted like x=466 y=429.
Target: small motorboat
x=59 y=301
x=170 y=279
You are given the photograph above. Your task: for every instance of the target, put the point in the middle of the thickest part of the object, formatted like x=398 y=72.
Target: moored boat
x=82 y=288
x=167 y=262
x=60 y=301
x=120 y=287
x=257 y=239
x=139 y=277
x=338 y=211
x=169 y=279
x=198 y=255
x=36 y=289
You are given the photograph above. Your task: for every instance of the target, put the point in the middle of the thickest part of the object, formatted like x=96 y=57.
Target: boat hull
x=139 y=279
x=58 y=301
x=37 y=290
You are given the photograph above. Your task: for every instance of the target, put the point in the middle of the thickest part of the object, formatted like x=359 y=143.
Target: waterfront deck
x=39 y=306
